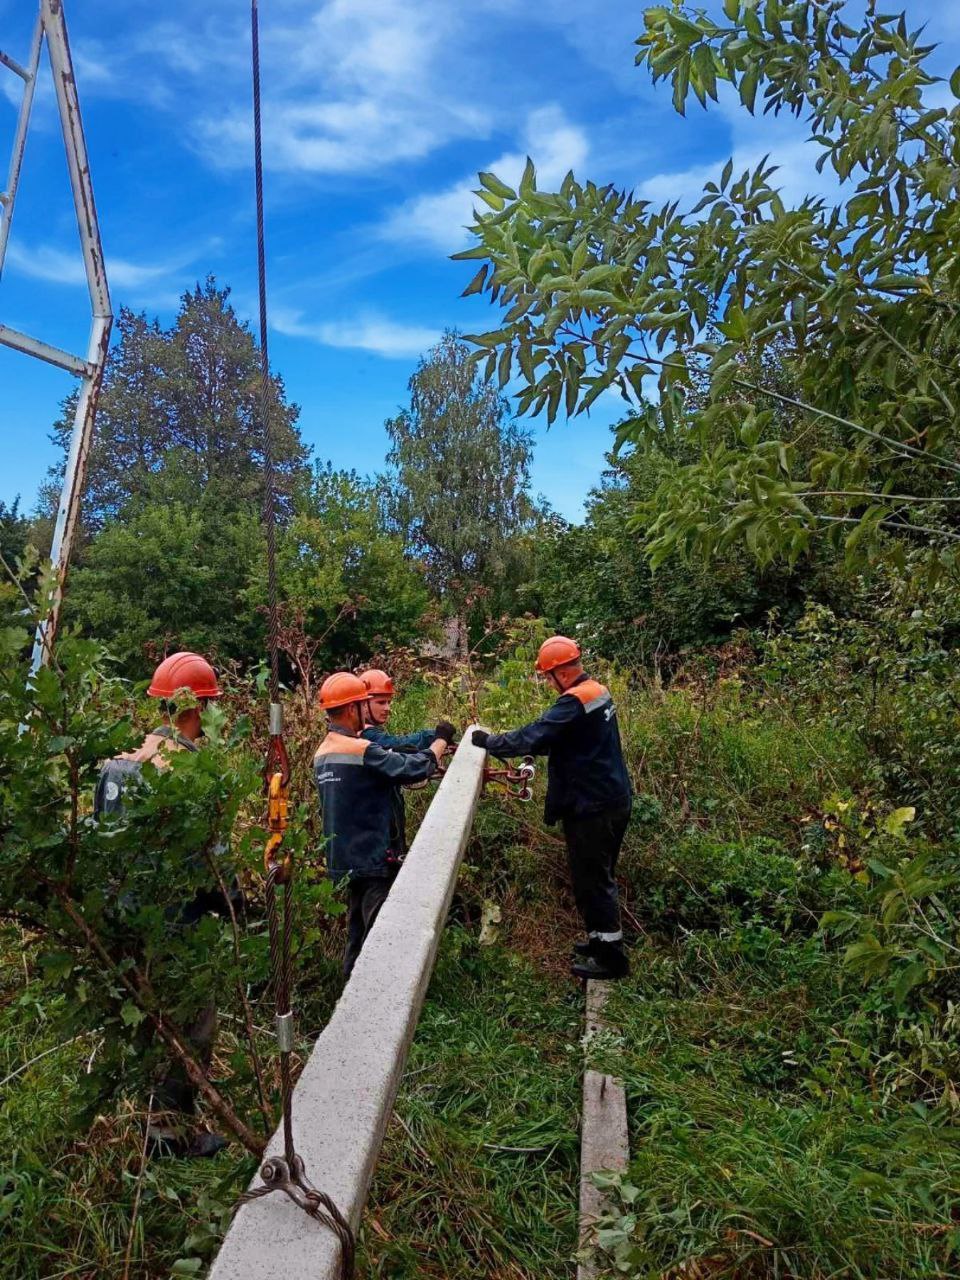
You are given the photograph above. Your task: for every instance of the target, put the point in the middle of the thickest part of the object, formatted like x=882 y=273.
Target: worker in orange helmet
x=357 y=781
x=382 y=691
x=381 y=688
x=187 y=672
x=184 y=683
x=588 y=791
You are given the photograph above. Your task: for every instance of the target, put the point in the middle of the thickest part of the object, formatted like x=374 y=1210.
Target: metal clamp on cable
x=290 y=1177
x=283 y=1023
x=277 y=759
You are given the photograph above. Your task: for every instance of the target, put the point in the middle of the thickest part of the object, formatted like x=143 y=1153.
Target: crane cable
x=286 y=1173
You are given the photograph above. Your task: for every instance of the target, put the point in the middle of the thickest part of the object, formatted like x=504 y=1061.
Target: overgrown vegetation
x=781 y=1046
x=765 y=579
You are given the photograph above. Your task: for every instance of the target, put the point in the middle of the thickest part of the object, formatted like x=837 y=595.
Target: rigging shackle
x=277 y=809
x=517 y=781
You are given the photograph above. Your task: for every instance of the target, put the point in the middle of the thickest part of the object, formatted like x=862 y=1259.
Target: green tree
x=14 y=531
x=187 y=394
x=590 y=582
x=14 y=536
x=601 y=290
x=345 y=579
x=458 y=488
x=172 y=573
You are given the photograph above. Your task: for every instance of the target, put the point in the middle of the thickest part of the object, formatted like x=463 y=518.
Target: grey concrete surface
x=345 y=1094
x=604 y=1138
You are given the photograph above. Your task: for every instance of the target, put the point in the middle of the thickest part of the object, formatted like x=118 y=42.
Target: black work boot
x=606 y=962
x=177 y=1144
x=584 y=947
x=204 y=1145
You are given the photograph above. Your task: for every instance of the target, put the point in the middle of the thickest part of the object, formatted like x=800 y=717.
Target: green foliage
x=512 y=693
x=183 y=399
x=905 y=936
x=590 y=581
x=179 y=572
x=602 y=291
x=787 y=1119
x=888 y=671
x=702 y=883
x=14 y=534
x=760 y=1146
x=458 y=488
x=489 y=1105
x=104 y=898
x=174 y=487
x=172 y=574
x=343 y=574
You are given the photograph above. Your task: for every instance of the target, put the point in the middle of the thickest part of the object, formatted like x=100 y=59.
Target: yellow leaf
x=894 y=822
x=490 y=917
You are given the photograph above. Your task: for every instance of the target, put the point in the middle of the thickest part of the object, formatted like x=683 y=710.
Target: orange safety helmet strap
x=557 y=652
x=340 y=689
x=184 y=671
x=378 y=683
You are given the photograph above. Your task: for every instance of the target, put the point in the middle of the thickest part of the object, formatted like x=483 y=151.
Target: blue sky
x=377 y=116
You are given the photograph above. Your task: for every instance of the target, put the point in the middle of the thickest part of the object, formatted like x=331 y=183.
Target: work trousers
x=176 y=1092
x=365 y=896
x=593 y=846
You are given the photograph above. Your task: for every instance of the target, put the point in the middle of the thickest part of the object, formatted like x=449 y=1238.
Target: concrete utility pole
x=51 y=29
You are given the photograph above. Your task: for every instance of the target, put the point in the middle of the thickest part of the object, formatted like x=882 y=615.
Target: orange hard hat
x=557 y=652
x=342 y=688
x=184 y=671
x=379 y=684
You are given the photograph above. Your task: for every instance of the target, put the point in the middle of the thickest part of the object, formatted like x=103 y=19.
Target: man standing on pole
x=588 y=791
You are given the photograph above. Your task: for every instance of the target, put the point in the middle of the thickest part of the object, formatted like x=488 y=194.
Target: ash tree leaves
x=601 y=290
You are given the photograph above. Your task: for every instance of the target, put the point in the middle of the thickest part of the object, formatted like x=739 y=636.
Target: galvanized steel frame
x=51 y=28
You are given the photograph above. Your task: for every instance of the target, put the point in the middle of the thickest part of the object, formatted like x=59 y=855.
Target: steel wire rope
x=287 y=1174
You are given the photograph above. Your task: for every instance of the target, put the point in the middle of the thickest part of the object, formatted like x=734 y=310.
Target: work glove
x=446 y=731
x=480 y=738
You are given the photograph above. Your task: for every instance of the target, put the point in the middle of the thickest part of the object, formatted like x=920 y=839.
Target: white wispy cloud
x=92 y=65
x=366 y=332
x=438 y=220
x=60 y=266
x=11 y=90
x=352 y=88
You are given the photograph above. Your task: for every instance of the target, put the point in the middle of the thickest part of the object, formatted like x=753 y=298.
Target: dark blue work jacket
x=418 y=741
x=586 y=772
x=357 y=782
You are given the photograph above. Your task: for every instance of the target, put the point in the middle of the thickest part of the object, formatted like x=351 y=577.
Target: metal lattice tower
x=50 y=29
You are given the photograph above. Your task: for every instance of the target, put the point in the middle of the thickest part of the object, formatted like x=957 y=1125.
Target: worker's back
x=357 y=782
x=116 y=774
x=586 y=771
